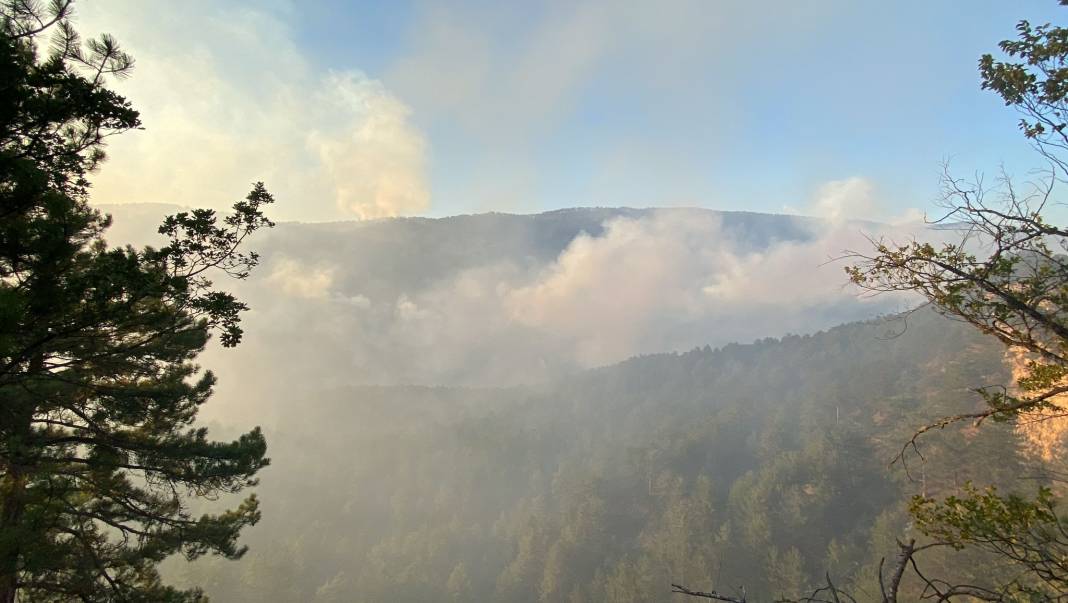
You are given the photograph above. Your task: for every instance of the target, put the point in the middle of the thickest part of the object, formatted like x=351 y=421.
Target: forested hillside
x=762 y=465
x=503 y=299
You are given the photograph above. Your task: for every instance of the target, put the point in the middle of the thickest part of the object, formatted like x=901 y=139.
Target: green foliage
x=99 y=451
x=1009 y=277
x=609 y=486
x=1038 y=84
x=1027 y=531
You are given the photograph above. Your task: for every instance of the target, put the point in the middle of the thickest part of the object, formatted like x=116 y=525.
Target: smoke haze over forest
x=499 y=299
x=533 y=302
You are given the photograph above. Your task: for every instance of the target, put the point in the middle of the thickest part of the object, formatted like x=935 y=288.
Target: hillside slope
x=762 y=464
x=500 y=299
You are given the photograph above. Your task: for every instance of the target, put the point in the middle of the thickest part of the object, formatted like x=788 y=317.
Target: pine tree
x=99 y=453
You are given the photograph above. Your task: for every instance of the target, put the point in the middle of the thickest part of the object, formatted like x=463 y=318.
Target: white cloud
x=607 y=291
x=855 y=198
x=678 y=279
x=849 y=199
x=227 y=99
x=376 y=165
x=910 y=216
x=669 y=280
x=298 y=280
x=409 y=311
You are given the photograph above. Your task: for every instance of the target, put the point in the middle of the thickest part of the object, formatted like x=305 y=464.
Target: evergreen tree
x=99 y=455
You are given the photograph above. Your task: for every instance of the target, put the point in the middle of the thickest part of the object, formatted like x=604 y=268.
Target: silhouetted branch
x=890 y=581
x=682 y=590
x=825 y=594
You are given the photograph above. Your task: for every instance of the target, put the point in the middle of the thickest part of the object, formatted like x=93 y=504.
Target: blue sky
x=525 y=106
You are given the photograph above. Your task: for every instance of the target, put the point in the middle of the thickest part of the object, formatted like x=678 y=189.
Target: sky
x=362 y=110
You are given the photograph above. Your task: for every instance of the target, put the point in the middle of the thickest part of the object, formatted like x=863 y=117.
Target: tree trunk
x=13 y=490
x=12 y=504
x=903 y=557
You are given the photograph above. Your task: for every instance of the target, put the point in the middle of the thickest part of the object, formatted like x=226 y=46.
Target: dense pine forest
x=764 y=465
